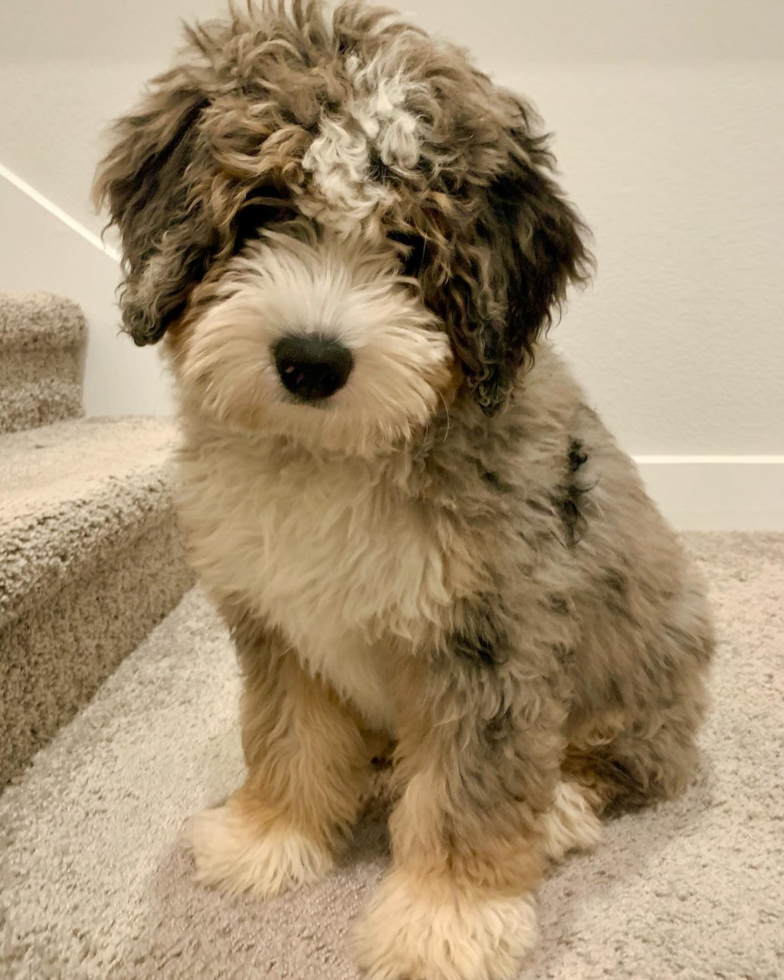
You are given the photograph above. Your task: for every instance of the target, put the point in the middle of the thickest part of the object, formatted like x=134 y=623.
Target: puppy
x=350 y=242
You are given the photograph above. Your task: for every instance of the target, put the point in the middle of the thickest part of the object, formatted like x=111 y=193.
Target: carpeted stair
x=42 y=339
x=97 y=883
x=90 y=559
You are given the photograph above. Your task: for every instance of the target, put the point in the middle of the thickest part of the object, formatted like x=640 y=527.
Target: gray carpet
x=90 y=562
x=42 y=338
x=96 y=883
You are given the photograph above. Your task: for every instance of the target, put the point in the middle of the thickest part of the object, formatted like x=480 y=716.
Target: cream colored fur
x=423 y=930
x=232 y=854
x=571 y=824
x=329 y=286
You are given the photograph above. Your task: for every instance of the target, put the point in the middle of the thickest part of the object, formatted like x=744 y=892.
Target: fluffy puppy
x=350 y=241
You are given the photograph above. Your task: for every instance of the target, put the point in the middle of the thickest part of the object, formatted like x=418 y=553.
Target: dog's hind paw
x=233 y=854
x=571 y=824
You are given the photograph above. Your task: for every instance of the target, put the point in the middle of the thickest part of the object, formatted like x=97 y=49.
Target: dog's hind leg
x=641 y=747
x=621 y=761
x=651 y=761
x=650 y=756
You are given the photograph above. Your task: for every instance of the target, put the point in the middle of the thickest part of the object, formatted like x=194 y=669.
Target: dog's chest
x=337 y=559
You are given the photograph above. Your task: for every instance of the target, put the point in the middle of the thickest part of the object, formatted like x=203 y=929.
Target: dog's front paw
x=413 y=931
x=235 y=854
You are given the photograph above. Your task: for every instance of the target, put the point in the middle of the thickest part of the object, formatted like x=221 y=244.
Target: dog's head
x=338 y=223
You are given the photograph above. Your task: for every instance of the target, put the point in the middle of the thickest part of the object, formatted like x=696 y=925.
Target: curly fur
x=450 y=552
x=357 y=118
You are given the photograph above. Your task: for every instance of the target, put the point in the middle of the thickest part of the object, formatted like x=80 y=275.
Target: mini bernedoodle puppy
x=351 y=241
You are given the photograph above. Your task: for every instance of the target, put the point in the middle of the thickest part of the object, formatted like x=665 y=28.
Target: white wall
x=669 y=123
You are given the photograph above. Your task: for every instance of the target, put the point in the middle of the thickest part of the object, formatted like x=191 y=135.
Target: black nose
x=312 y=367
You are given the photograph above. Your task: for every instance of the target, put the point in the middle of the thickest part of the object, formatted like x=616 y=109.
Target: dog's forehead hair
x=373 y=135
x=356 y=120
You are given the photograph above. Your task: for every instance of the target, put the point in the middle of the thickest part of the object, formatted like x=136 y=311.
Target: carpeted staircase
x=42 y=340
x=90 y=560
x=95 y=881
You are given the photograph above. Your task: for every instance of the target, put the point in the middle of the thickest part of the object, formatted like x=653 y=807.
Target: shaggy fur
x=450 y=551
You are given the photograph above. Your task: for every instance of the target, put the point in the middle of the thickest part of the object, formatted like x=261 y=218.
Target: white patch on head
x=341 y=290
x=375 y=121
x=339 y=161
x=380 y=110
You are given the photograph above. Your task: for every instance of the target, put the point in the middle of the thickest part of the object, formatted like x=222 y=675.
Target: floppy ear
x=513 y=271
x=144 y=180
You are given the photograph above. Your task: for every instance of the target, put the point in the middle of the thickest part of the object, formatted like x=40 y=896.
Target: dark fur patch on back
x=491 y=478
x=495 y=481
x=569 y=498
x=577 y=455
x=573 y=521
x=481 y=639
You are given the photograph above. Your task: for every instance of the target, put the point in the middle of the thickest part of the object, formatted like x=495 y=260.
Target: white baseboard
x=717 y=493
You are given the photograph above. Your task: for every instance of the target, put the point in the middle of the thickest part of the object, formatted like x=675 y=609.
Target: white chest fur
x=329 y=552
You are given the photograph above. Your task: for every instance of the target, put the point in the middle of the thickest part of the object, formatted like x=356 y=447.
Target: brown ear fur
x=511 y=270
x=142 y=181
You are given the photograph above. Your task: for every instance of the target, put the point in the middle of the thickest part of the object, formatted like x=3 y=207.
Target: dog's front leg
x=307 y=768
x=478 y=762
